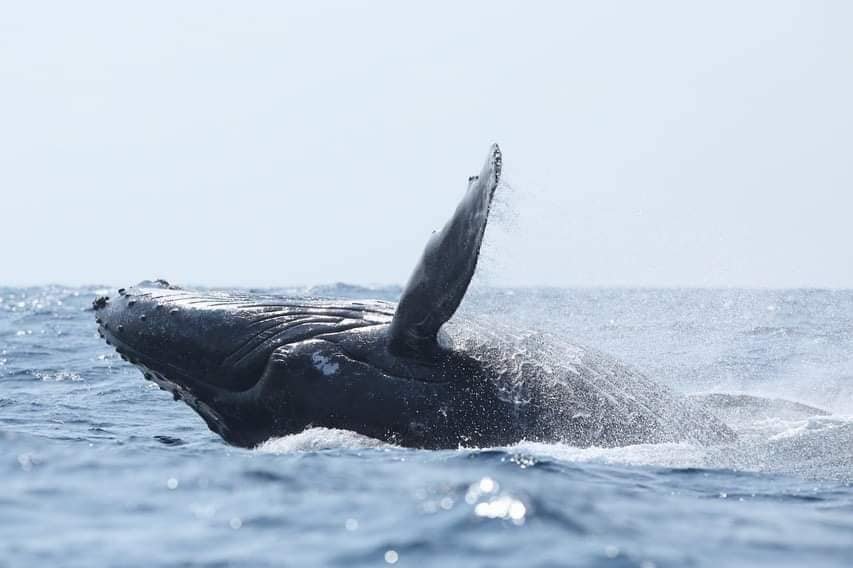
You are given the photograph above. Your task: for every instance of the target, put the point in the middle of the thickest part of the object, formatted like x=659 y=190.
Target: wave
x=814 y=447
x=317 y=439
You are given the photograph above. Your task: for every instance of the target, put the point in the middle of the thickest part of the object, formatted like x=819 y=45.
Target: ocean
x=100 y=468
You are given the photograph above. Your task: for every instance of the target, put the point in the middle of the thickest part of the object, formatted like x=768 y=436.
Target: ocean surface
x=100 y=468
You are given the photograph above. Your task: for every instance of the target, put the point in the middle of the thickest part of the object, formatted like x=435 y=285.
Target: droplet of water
x=504 y=507
x=487 y=485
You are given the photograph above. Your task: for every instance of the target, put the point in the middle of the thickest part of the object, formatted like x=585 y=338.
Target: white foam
x=816 y=447
x=810 y=426
x=315 y=439
x=676 y=455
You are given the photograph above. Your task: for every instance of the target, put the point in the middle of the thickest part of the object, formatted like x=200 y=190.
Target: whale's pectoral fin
x=439 y=281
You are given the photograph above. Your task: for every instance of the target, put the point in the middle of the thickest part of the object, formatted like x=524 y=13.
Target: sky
x=289 y=143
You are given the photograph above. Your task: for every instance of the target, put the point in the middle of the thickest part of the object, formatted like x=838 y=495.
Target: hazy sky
x=646 y=143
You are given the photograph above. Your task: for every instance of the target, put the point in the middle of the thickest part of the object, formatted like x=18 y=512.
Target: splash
x=816 y=447
x=319 y=439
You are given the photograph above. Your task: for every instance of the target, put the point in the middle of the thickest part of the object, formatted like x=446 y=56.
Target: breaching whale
x=256 y=367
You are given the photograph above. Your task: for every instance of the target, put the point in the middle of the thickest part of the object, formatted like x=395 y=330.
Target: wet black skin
x=253 y=368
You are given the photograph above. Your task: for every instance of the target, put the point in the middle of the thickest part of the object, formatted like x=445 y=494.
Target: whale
x=261 y=366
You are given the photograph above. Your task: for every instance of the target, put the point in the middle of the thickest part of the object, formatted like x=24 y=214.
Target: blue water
x=100 y=468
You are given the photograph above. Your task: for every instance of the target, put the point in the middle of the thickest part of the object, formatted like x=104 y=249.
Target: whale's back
x=583 y=396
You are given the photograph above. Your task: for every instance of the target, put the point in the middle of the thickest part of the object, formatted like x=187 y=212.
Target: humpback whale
x=255 y=366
